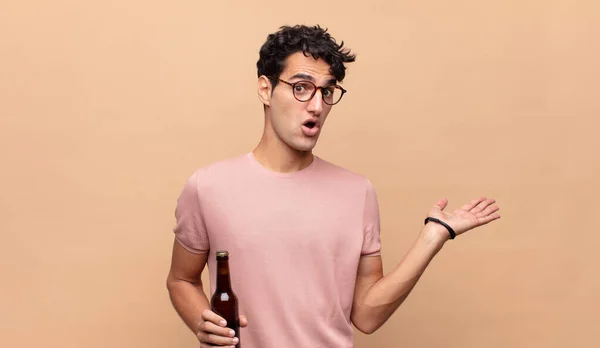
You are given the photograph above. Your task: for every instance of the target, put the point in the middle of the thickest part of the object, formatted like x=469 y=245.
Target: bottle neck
x=223 y=278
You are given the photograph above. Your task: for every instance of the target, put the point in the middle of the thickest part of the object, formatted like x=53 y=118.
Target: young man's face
x=288 y=116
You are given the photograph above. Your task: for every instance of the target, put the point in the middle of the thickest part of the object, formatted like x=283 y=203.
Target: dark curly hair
x=313 y=41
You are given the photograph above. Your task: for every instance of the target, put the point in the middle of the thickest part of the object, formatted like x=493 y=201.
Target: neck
x=223 y=278
x=275 y=155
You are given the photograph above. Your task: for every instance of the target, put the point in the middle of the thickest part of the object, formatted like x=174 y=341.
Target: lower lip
x=310 y=132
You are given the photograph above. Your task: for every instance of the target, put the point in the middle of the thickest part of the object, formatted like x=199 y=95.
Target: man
x=303 y=233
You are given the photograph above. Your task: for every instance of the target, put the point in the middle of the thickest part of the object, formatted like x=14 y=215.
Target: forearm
x=189 y=300
x=384 y=297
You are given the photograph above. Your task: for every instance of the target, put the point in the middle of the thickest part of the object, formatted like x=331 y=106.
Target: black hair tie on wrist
x=450 y=230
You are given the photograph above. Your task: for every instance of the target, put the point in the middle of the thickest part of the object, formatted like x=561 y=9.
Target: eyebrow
x=303 y=76
x=310 y=78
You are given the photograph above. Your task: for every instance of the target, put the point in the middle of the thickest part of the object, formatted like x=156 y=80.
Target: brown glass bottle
x=224 y=302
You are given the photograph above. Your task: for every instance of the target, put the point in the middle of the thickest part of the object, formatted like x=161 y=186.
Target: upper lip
x=313 y=120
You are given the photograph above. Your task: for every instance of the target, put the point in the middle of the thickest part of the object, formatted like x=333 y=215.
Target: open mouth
x=310 y=124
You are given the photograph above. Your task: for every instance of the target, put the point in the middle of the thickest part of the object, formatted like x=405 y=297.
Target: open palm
x=477 y=212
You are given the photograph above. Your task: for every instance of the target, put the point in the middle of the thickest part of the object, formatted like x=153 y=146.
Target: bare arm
x=377 y=297
x=184 y=284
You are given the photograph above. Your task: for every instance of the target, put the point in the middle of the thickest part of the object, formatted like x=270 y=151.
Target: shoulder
x=345 y=176
x=217 y=172
x=339 y=172
x=222 y=169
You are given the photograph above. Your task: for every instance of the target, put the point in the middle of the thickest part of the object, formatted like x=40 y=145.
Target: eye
x=300 y=88
x=328 y=92
x=303 y=87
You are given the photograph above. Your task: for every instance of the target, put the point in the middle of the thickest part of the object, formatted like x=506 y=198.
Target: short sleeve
x=371 y=223
x=190 y=230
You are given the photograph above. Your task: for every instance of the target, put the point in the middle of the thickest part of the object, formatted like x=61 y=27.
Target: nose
x=315 y=105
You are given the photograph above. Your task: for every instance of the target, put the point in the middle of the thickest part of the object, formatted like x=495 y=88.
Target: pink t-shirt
x=295 y=240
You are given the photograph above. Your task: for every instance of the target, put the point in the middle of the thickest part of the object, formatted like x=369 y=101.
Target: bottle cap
x=222 y=254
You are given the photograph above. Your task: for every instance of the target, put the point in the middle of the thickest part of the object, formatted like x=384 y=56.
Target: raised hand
x=477 y=212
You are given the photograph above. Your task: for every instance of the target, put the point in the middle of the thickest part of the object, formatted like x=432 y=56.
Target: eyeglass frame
x=293 y=85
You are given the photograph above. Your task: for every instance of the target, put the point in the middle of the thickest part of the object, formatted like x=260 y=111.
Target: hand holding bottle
x=213 y=331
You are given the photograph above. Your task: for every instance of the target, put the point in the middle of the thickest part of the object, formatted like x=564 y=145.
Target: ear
x=264 y=90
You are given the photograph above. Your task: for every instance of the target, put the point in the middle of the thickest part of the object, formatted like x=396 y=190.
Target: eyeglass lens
x=304 y=90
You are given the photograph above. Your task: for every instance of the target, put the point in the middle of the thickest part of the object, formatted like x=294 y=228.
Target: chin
x=300 y=142
x=306 y=149
x=304 y=146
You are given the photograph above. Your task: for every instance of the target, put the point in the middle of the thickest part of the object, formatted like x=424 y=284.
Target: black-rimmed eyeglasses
x=306 y=90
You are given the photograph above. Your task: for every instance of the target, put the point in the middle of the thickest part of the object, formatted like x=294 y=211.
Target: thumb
x=243 y=321
x=441 y=204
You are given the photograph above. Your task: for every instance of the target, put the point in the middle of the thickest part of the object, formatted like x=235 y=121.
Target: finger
x=205 y=345
x=472 y=203
x=441 y=204
x=208 y=345
x=210 y=328
x=243 y=321
x=487 y=219
x=488 y=211
x=482 y=205
x=215 y=340
x=213 y=317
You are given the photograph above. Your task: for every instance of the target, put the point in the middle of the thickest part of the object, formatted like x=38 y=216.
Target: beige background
x=108 y=106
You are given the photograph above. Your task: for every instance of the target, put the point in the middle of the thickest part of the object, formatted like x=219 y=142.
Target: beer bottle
x=224 y=301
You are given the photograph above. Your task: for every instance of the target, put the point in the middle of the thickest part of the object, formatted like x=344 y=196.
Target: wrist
x=435 y=235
